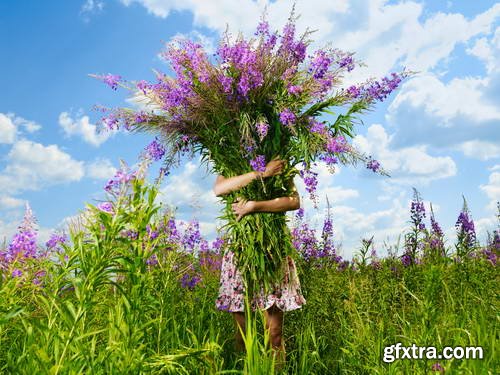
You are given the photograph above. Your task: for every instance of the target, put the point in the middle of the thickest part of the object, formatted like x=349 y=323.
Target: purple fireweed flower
x=311 y=181
x=23 y=243
x=347 y=62
x=417 y=211
x=262 y=129
x=289 y=73
x=316 y=126
x=105 y=207
x=337 y=144
x=17 y=273
x=143 y=86
x=304 y=240
x=294 y=89
x=259 y=163
x=287 y=117
x=189 y=282
x=437 y=367
x=262 y=28
x=465 y=228
x=320 y=64
x=226 y=82
x=406 y=259
x=55 y=240
x=354 y=92
x=343 y=265
x=217 y=244
x=152 y=260
x=330 y=161
x=192 y=236
x=373 y=164
x=111 y=80
x=111 y=121
x=155 y=150
x=140 y=117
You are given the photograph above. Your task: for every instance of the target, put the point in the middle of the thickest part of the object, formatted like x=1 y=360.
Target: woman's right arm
x=227 y=185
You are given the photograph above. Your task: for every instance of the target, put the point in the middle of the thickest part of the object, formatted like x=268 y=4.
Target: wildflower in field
x=106 y=207
x=189 y=282
x=17 y=273
x=437 y=367
x=191 y=236
x=56 y=240
x=23 y=243
x=466 y=233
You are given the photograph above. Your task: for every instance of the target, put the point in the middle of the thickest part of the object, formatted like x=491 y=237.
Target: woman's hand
x=274 y=167
x=242 y=208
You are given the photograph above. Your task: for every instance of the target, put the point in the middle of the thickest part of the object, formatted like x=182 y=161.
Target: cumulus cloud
x=32 y=165
x=8 y=130
x=381 y=32
x=100 y=169
x=83 y=128
x=406 y=165
x=492 y=189
x=7 y=202
x=11 y=126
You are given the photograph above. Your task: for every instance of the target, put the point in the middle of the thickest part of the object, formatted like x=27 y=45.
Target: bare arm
x=280 y=204
x=227 y=185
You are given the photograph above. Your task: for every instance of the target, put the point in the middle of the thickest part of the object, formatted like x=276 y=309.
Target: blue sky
x=438 y=133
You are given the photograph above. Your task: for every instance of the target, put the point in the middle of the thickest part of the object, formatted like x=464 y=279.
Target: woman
x=287 y=295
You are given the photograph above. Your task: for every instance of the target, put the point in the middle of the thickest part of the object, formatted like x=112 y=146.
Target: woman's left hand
x=242 y=207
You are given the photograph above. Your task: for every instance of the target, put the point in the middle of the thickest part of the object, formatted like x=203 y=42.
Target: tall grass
x=123 y=296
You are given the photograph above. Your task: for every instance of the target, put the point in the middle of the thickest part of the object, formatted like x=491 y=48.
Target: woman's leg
x=239 y=318
x=274 y=325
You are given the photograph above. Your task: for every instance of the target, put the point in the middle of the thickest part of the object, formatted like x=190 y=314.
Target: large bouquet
x=254 y=100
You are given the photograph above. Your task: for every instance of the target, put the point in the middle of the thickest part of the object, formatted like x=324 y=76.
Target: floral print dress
x=287 y=295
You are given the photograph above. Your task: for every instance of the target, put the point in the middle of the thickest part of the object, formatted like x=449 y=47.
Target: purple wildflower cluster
x=22 y=247
x=154 y=151
x=287 y=117
x=259 y=163
x=310 y=179
x=373 y=164
x=110 y=79
x=121 y=178
x=465 y=229
x=377 y=90
x=262 y=129
x=23 y=244
x=306 y=243
x=417 y=213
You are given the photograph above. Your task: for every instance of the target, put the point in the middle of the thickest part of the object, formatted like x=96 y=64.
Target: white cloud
x=8 y=130
x=492 y=190
x=90 y=7
x=11 y=202
x=381 y=33
x=82 y=127
x=446 y=102
x=32 y=165
x=100 y=169
x=480 y=149
x=406 y=165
